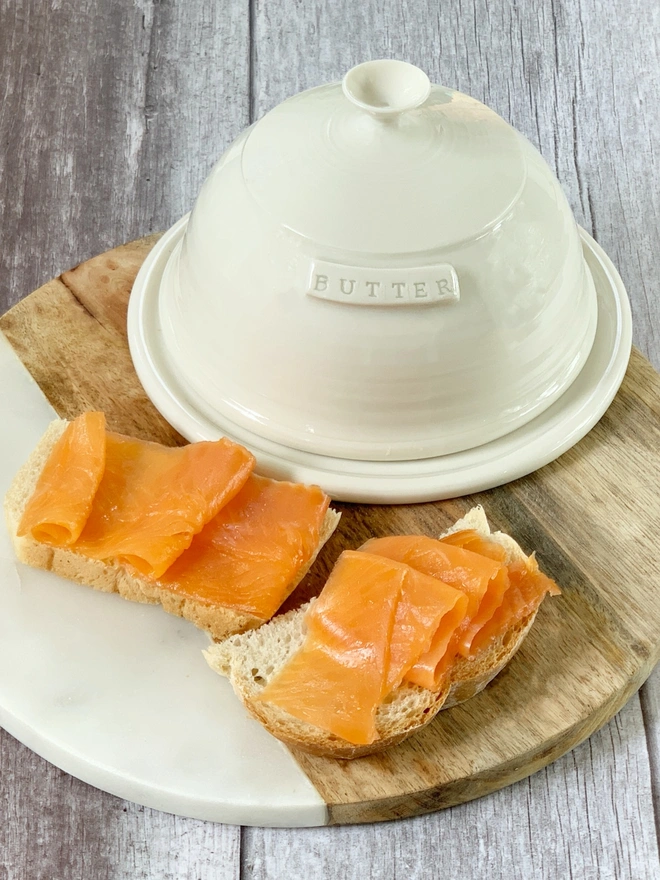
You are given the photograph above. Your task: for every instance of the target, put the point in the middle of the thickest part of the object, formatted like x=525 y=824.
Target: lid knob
x=386 y=88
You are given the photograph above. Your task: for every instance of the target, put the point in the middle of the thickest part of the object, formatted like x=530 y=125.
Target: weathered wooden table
x=111 y=116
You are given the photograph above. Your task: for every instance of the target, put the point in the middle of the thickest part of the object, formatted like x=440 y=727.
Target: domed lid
x=378 y=270
x=378 y=276
x=384 y=163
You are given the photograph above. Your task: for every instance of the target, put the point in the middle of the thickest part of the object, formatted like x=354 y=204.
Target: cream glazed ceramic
x=379 y=270
x=522 y=451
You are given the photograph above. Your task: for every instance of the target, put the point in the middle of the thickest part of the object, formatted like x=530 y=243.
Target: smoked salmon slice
x=62 y=500
x=528 y=588
x=372 y=621
x=111 y=497
x=428 y=613
x=252 y=553
x=152 y=500
x=470 y=539
x=483 y=579
x=499 y=595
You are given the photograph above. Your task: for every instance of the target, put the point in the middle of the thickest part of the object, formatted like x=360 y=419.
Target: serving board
x=593 y=517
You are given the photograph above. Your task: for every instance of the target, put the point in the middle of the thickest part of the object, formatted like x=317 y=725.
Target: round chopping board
x=593 y=517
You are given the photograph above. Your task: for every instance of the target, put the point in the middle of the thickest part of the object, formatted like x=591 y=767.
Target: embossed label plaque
x=424 y=285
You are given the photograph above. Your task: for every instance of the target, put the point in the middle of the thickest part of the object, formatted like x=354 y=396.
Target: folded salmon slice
x=152 y=499
x=470 y=539
x=428 y=614
x=252 y=553
x=372 y=621
x=112 y=497
x=528 y=588
x=483 y=579
x=461 y=569
x=500 y=595
x=62 y=500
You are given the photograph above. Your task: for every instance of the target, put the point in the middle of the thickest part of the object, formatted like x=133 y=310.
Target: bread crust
x=220 y=622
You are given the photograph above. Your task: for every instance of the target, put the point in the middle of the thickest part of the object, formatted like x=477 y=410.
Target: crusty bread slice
x=469 y=676
x=251 y=660
x=219 y=621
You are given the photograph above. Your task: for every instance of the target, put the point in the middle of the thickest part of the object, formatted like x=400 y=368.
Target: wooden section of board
x=593 y=516
x=71 y=335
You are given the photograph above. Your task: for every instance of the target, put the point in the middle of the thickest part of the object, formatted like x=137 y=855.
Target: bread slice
x=252 y=659
x=219 y=621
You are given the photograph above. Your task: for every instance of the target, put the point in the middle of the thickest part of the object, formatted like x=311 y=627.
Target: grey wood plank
x=54 y=827
x=112 y=114
x=557 y=824
x=99 y=110
x=578 y=79
x=650 y=705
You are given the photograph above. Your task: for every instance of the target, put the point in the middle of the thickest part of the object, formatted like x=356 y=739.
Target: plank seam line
x=654 y=765
x=243 y=868
x=149 y=105
x=251 y=61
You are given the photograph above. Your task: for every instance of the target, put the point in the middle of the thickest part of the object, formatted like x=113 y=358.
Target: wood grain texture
x=122 y=108
x=579 y=78
x=94 y=298
x=589 y=651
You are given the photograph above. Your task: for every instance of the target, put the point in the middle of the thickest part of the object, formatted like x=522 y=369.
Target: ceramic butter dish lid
x=378 y=277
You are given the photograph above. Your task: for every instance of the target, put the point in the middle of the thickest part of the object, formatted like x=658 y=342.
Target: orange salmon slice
x=112 y=497
x=499 y=595
x=483 y=579
x=251 y=554
x=62 y=499
x=152 y=499
x=372 y=621
x=528 y=588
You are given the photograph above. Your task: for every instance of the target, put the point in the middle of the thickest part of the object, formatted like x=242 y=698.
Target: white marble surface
x=118 y=694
